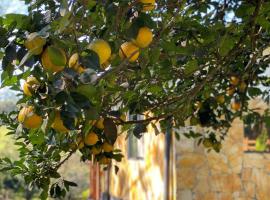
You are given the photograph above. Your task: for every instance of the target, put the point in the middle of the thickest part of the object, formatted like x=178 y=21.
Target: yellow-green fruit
x=104 y=161
x=230 y=91
x=100 y=123
x=103 y=50
x=234 y=80
x=47 y=63
x=236 y=106
x=220 y=99
x=80 y=142
x=144 y=37
x=194 y=121
x=242 y=86
x=91 y=139
x=148 y=5
x=95 y=150
x=107 y=147
x=35 y=43
x=58 y=124
x=28 y=118
x=198 y=105
x=30 y=84
x=74 y=63
x=207 y=143
x=129 y=50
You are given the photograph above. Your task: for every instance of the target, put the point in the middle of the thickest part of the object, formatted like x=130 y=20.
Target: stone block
x=191 y=160
x=253 y=160
x=186 y=178
x=185 y=195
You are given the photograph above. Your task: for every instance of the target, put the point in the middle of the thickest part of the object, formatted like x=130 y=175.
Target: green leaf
x=56 y=56
x=191 y=67
x=110 y=130
x=54 y=174
x=89 y=59
x=226 y=45
x=139 y=130
x=253 y=91
x=21 y=21
x=87 y=90
x=36 y=137
x=69 y=183
x=26 y=57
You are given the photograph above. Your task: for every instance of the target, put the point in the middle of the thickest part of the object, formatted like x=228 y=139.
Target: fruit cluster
x=54 y=60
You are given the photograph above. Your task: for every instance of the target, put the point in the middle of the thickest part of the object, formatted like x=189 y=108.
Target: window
x=256 y=134
x=135 y=145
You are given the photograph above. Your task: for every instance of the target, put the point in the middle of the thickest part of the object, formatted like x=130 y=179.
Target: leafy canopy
x=206 y=60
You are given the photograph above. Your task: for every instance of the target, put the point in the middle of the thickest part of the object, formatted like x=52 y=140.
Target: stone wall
x=228 y=175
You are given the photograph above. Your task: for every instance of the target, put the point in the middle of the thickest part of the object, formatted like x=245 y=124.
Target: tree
x=85 y=63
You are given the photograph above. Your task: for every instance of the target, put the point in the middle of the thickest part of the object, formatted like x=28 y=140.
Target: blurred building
x=238 y=172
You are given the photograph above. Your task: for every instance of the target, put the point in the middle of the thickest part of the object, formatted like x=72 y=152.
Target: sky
x=10 y=6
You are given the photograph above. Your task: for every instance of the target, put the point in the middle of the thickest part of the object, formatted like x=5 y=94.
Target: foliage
x=206 y=60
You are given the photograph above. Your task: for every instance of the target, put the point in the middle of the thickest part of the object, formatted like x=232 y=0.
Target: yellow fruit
x=230 y=91
x=144 y=37
x=74 y=63
x=91 y=139
x=129 y=50
x=105 y=65
x=123 y=117
x=236 y=106
x=234 y=80
x=220 y=99
x=35 y=43
x=58 y=124
x=207 y=143
x=99 y=124
x=47 y=61
x=28 y=118
x=107 y=147
x=30 y=84
x=148 y=5
x=242 y=86
x=104 y=161
x=194 y=121
x=95 y=150
x=80 y=142
x=198 y=104
x=103 y=50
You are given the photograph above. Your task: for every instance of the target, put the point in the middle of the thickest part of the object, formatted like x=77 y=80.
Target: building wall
x=140 y=179
x=228 y=175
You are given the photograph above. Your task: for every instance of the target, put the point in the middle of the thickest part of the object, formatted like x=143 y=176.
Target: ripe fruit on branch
x=104 y=161
x=74 y=63
x=242 y=86
x=30 y=85
x=220 y=99
x=107 y=147
x=235 y=105
x=144 y=37
x=95 y=150
x=35 y=43
x=148 y=5
x=234 y=80
x=230 y=91
x=53 y=59
x=102 y=49
x=58 y=124
x=91 y=139
x=129 y=50
x=28 y=118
